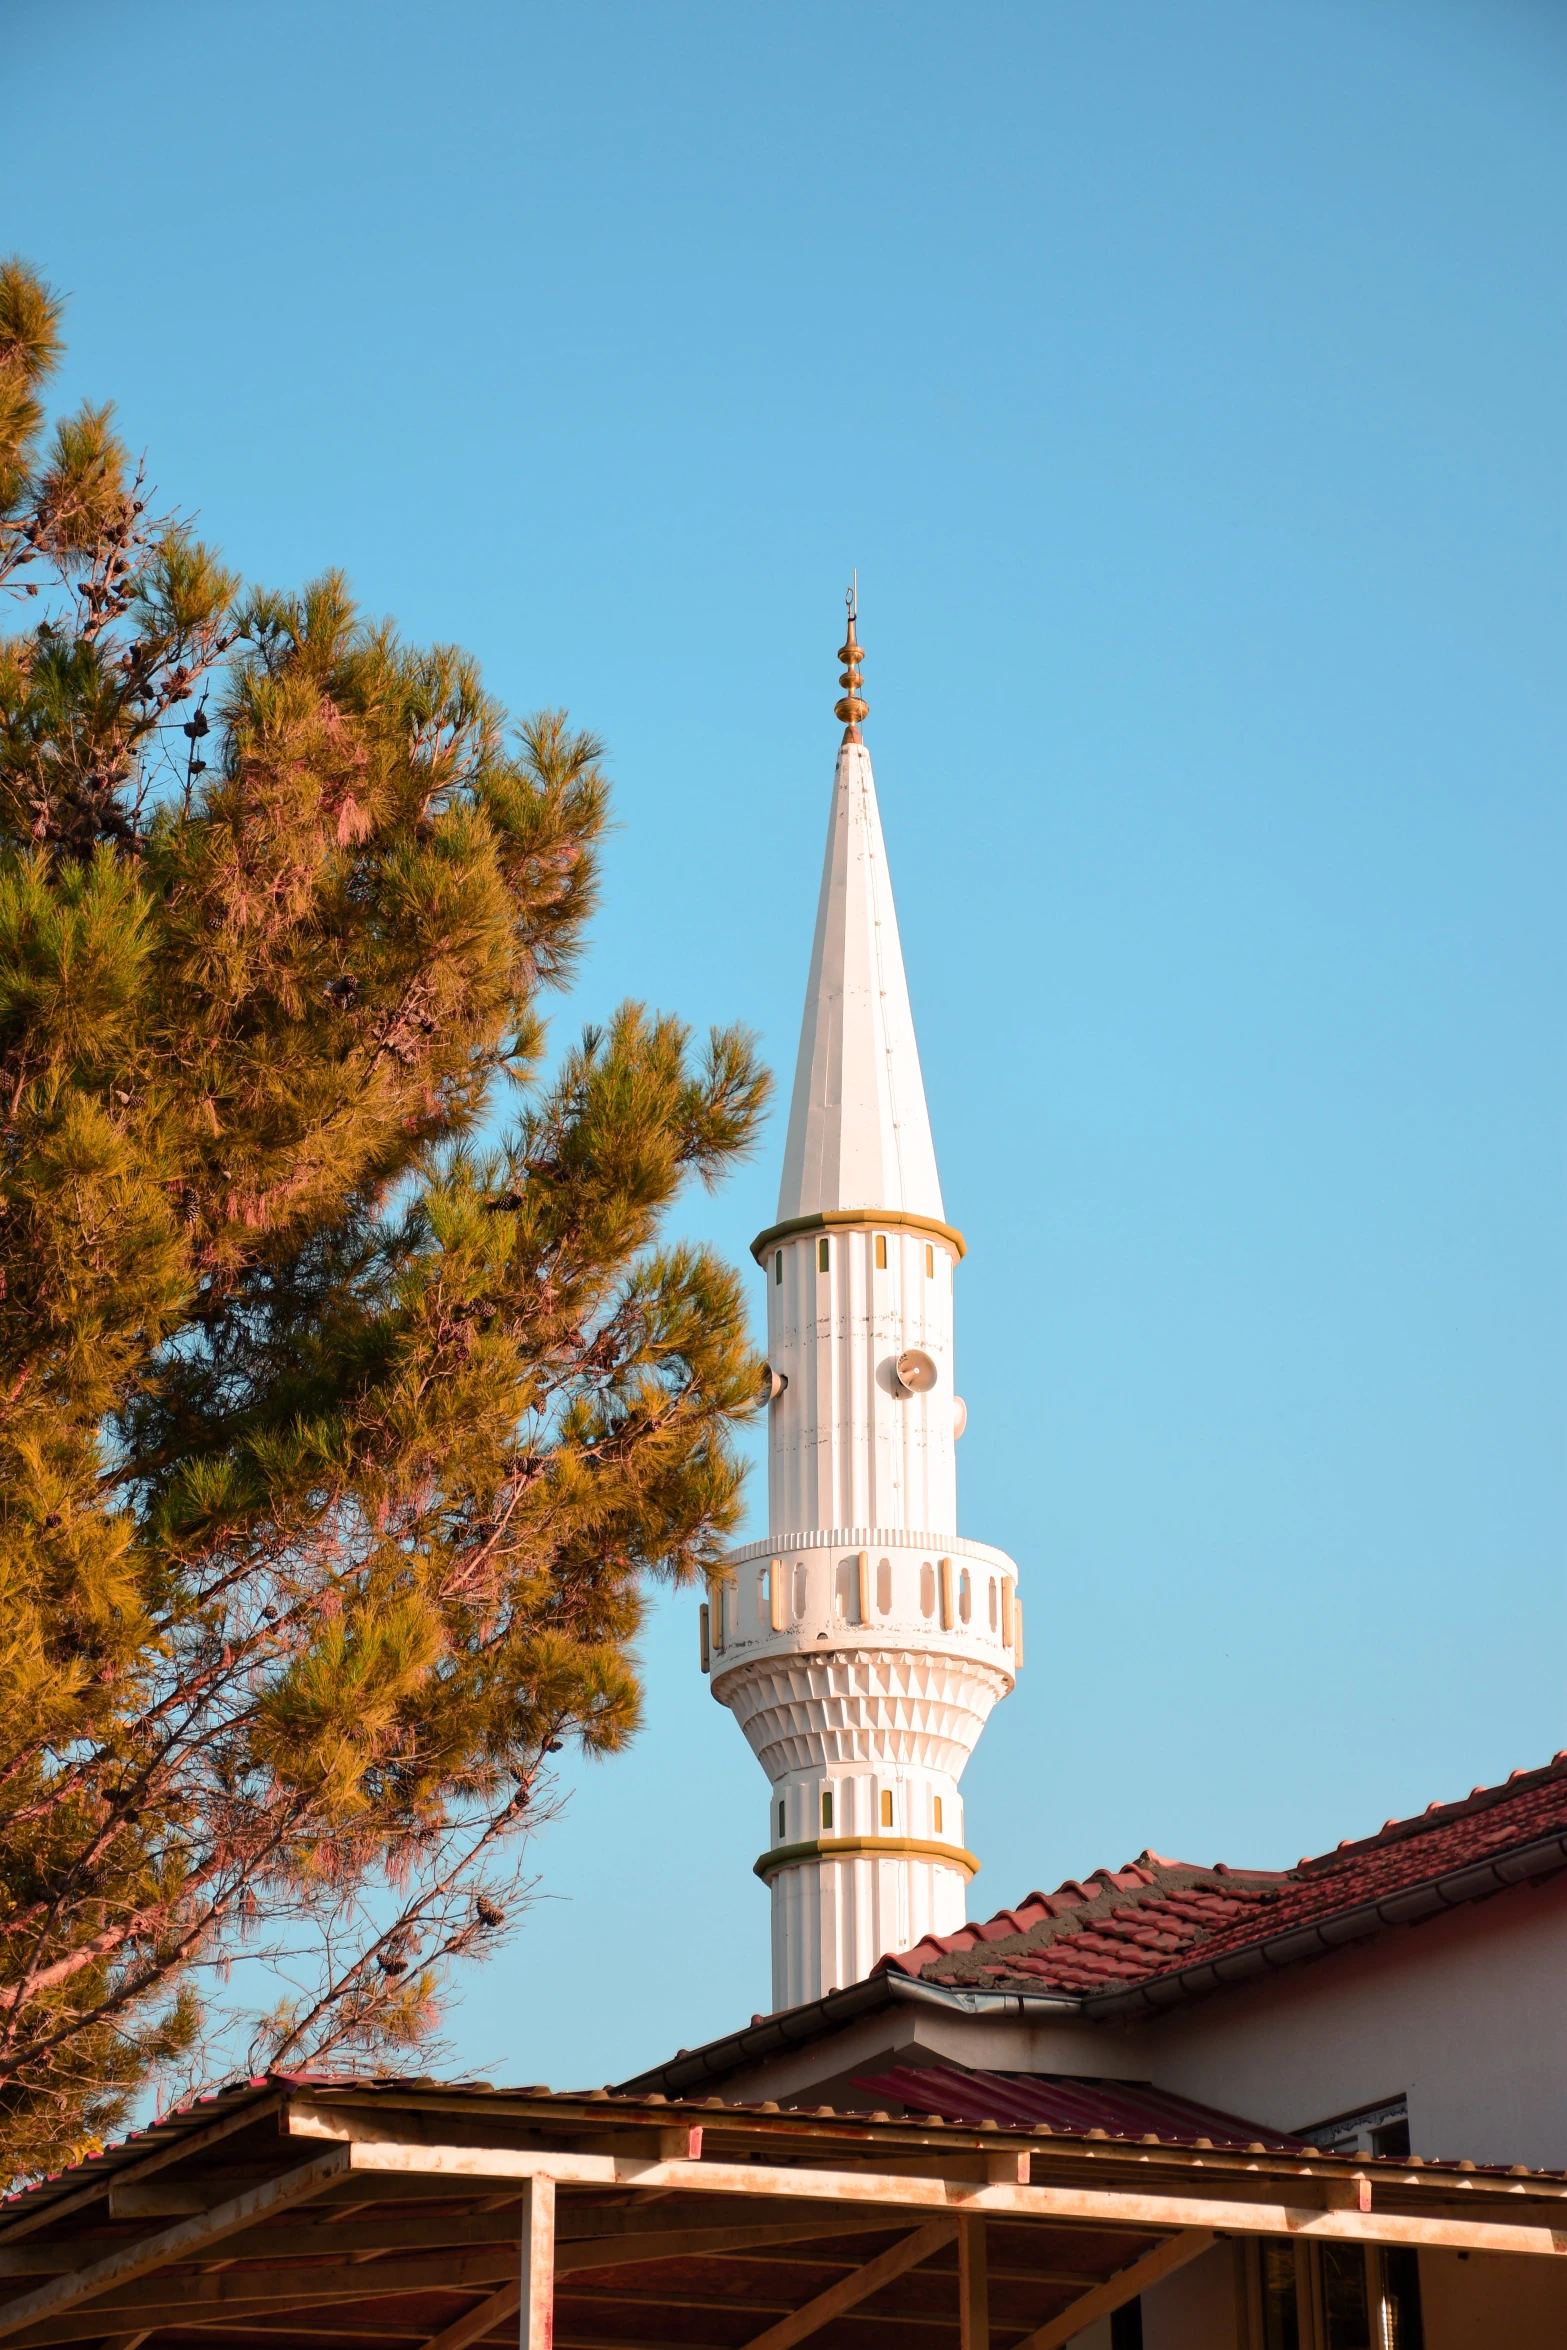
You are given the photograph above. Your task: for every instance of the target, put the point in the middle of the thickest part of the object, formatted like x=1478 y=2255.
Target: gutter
x=795 y=2027
x=1409 y=1908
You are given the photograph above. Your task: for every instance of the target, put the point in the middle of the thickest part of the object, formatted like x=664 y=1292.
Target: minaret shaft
x=863 y=1644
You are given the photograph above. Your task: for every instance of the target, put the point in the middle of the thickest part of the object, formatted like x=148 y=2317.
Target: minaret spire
x=851 y=709
x=863 y=1643
x=859 y=1132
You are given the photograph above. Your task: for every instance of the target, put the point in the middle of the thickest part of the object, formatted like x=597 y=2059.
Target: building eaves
x=1139 y=1939
x=795 y=2027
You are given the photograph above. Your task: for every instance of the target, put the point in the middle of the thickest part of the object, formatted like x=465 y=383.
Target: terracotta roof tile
x=1156 y=1918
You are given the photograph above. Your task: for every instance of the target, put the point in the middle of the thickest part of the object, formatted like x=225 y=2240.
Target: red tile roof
x=1158 y=1929
x=1071 y=2105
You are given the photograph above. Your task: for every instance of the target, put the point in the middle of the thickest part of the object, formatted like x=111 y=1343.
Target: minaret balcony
x=853 y=1588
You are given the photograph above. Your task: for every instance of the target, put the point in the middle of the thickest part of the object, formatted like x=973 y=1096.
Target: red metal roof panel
x=1071 y=2105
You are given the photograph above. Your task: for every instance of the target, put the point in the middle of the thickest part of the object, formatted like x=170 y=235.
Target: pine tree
x=338 y=1447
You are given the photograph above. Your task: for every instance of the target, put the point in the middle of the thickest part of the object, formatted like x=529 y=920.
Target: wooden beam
x=181 y=2242
x=375 y=2148
x=857 y=2286
x=209 y=2294
x=1124 y=2286
x=229 y=2293
x=175 y=2148
x=536 y=2315
x=680 y=2243
x=973 y=2286
x=631 y=2234
x=263 y=2317
x=479 y=2321
x=577 y=2228
x=166 y=2199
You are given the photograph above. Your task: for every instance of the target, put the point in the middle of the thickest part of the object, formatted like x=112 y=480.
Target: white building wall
x=1464 y=2014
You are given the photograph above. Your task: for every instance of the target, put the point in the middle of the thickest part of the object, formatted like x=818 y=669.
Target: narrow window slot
x=881 y=1252
x=823 y=1254
x=827 y=1808
x=886 y=1807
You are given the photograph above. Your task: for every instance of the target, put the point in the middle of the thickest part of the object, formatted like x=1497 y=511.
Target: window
x=1006 y=1611
x=937 y=1814
x=780 y=1819
x=881 y=1252
x=1280 y=2308
x=1344 y=2297
x=827 y=1807
x=1401 y=2319
x=965 y=1595
x=846 y=1595
x=823 y=1254
x=1126 y=2326
x=930 y=1261
x=764 y=1597
x=886 y=1807
x=992 y=1603
x=1364 y=2299
x=778 y=1268
x=944 y=1571
x=884 y=1587
x=927 y=1589
x=799 y=1590
x=1375 y=2129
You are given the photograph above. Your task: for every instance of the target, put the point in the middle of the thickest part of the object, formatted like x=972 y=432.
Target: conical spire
x=859 y=1132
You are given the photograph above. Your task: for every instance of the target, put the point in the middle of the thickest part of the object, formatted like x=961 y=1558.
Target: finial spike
x=851 y=653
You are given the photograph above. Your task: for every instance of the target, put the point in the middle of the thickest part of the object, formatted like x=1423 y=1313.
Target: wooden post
x=536 y=2314
x=973 y=2287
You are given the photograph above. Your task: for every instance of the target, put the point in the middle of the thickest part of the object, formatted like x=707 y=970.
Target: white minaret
x=863 y=1644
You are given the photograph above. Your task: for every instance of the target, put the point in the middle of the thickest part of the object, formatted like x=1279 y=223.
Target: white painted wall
x=1200 y=2307
x=1489 y=2302
x=1465 y=2014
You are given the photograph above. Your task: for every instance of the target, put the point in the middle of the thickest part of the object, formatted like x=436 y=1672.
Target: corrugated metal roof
x=1079 y=2105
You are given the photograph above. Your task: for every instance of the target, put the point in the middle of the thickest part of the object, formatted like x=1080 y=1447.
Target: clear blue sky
x=1187 y=385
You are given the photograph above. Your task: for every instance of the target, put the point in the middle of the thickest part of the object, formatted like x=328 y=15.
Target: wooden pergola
x=369 y=2214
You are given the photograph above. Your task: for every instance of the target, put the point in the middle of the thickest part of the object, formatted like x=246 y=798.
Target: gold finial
x=851 y=709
